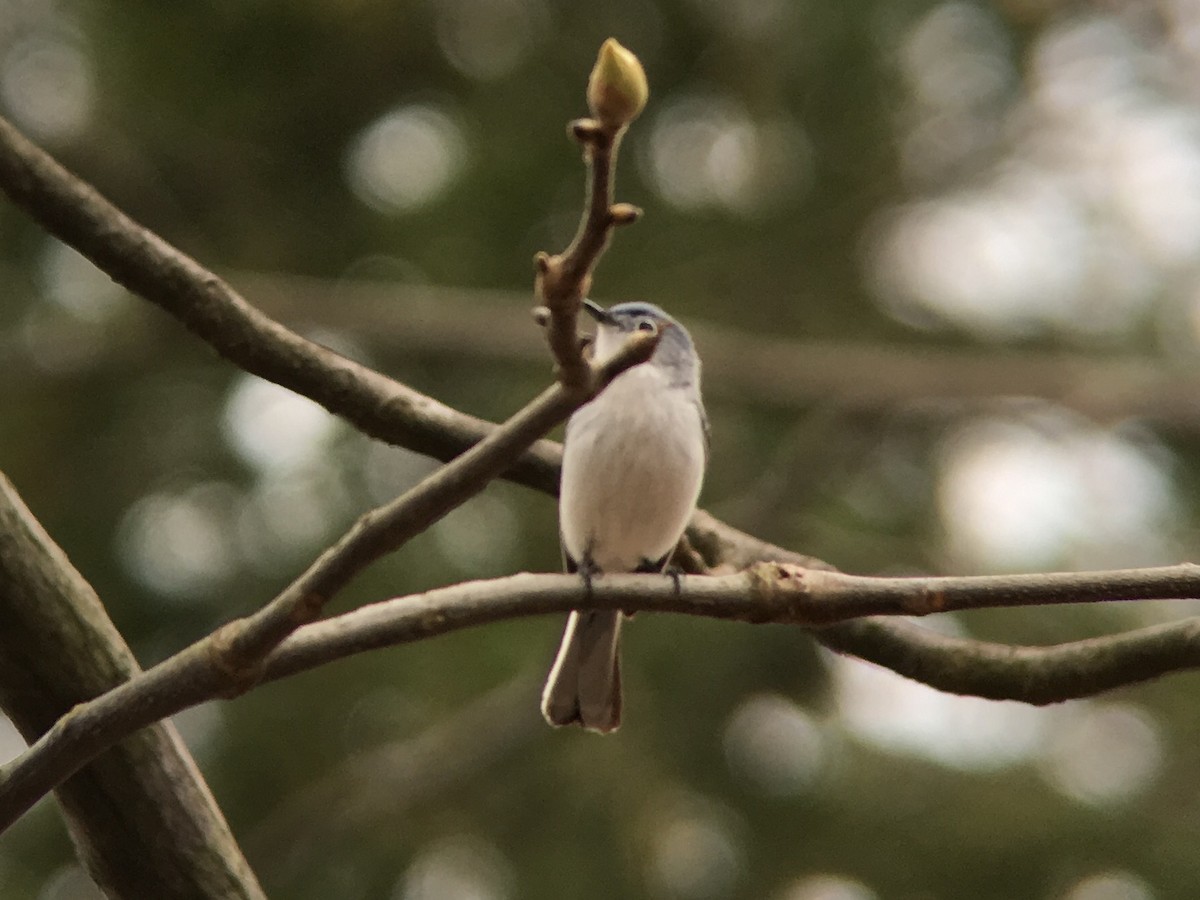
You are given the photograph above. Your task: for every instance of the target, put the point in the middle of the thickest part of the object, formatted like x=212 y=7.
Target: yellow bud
x=617 y=90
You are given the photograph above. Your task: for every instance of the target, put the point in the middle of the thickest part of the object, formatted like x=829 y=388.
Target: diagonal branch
x=227 y=661
x=142 y=818
x=147 y=265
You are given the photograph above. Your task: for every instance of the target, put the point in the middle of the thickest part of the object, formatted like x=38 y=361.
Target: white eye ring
x=646 y=325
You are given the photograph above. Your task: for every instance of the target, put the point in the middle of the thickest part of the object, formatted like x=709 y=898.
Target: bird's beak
x=599 y=313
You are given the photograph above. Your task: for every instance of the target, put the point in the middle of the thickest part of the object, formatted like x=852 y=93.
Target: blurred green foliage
x=231 y=128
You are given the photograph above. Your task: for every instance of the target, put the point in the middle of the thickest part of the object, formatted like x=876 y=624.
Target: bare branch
x=770 y=593
x=135 y=257
x=227 y=662
x=141 y=816
x=767 y=592
x=563 y=280
x=1036 y=675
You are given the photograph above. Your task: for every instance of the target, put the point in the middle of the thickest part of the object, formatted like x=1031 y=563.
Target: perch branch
x=228 y=661
x=768 y=592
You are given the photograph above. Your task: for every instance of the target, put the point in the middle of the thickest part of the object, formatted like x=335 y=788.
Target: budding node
x=617 y=90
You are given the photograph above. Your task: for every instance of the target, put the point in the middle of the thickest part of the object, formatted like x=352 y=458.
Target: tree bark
x=142 y=818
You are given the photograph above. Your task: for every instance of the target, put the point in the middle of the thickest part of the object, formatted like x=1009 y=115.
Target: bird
x=633 y=464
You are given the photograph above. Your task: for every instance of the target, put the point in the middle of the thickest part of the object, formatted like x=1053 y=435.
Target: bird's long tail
x=584 y=685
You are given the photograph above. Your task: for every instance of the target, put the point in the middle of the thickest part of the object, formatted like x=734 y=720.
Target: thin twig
x=564 y=279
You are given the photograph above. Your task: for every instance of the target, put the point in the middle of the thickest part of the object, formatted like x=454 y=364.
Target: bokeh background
x=1002 y=196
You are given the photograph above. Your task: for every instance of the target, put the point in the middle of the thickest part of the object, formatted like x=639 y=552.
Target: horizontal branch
x=768 y=592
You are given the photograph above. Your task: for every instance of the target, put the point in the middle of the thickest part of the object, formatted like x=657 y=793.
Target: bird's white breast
x=632 y=469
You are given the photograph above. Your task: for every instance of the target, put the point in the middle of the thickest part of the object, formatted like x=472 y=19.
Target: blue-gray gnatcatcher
x=632 y=467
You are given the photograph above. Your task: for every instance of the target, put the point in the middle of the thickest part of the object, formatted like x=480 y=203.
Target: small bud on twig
x=617 y=90
x=584 y=130
x=623 y=213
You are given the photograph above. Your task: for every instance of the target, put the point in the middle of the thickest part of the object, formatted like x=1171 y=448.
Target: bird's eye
x=645 y=325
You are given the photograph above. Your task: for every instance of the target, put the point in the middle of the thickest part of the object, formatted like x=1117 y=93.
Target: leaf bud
x=617 y=90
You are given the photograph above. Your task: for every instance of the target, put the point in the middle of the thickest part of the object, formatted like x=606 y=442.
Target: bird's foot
x=587 y=571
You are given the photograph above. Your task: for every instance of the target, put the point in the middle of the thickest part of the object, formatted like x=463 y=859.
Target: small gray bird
x=632 y=467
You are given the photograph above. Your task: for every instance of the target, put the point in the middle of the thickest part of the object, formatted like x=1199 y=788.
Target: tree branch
x=227 y=662
x=811 y=598
x=141 y=816
x=385 y=409
x=135 y=257
x=767 y=592
x=564 y=279
x=1036 y=675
